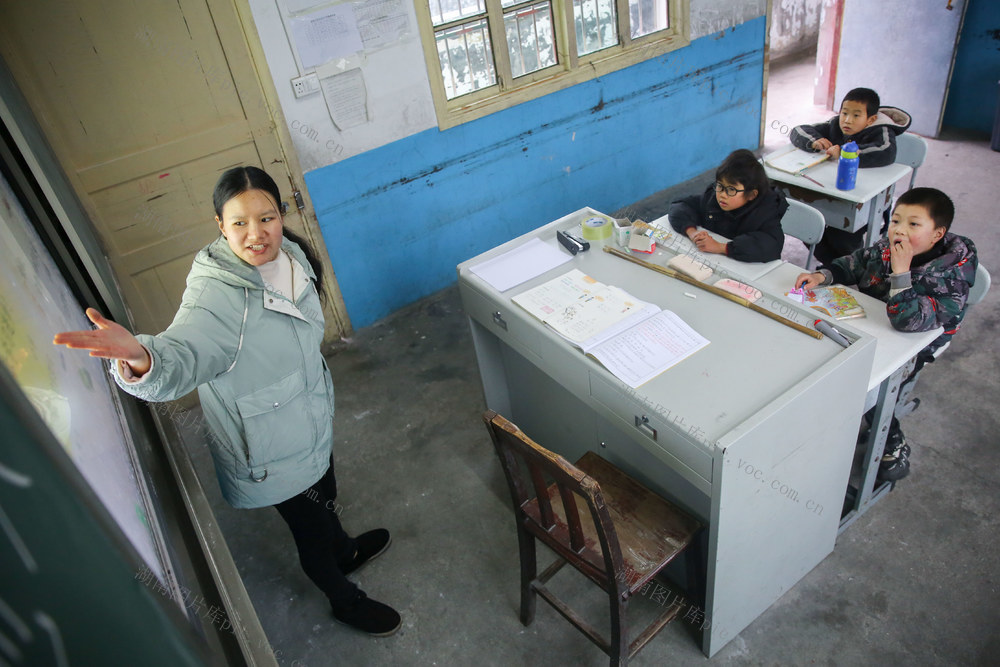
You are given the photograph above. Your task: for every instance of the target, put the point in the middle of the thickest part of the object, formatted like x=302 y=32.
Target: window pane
x=466 y=58
x=596 y=25
x=443 y=11
x=529 y=38
x=647 y=16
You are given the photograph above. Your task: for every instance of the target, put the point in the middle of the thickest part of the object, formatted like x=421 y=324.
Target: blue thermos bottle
x=847 y=169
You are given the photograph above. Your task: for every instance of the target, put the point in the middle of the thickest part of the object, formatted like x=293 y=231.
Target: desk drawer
x=498 y=319
x=654 y=429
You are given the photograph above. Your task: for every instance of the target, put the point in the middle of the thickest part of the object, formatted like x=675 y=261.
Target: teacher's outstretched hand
x=109 y=340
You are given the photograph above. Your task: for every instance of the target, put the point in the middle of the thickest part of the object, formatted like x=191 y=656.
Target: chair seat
x=651 y=531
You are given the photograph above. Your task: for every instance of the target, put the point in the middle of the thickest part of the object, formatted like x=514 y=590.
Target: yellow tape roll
x=596 y=229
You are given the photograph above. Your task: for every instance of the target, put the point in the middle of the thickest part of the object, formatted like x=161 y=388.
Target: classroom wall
x=973 y=94
x=400 y=203
x=794 y=26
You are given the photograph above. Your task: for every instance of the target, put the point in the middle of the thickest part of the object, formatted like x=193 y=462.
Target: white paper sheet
x=521 y=264
x=649 y=348
x=381 y=22
x=346 y=98
x=326 y=34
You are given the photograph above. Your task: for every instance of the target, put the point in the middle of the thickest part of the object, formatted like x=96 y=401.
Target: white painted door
x=146 y=103
x=905 y=51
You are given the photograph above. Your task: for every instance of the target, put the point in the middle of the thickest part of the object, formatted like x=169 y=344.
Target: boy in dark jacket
x=741 y=205
x=872 y=127
x=923 y=272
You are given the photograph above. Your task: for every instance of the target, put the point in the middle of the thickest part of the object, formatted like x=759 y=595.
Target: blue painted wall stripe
x=443 y=197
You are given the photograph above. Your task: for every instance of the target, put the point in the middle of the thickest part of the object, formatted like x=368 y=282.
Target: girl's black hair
x=743 y=168
x=240 y=179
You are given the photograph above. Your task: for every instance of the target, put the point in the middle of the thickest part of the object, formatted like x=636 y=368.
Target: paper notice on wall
x=381 y=22
x=346 y=98
x=321 y=36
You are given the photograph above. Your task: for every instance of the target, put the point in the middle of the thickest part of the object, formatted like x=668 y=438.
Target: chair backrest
x=982 y=286
x=552 y=514
x=804 y=223
x=911 y=150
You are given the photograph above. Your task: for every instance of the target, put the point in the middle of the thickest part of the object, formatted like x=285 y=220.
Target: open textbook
x=794 y=160
x=633 y=339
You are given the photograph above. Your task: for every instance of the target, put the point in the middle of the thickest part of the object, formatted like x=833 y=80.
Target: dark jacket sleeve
x=686 y=213
x=764 y=239
x=925 y=306
x=763 y=245
x=803 y=136
x=849 y=269
x=876 y=146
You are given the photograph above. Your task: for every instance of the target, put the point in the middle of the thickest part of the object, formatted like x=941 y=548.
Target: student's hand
x=693 y=232
x=706 y=243
x=834 y=152
x=900 y=255
x=109 y=341
x=809 y=280
x=821 y=144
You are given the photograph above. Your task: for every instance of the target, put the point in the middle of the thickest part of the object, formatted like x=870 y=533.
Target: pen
x=810 y=178
x=832 y=333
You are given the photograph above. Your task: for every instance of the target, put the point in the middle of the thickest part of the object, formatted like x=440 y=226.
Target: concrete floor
x=915 y=581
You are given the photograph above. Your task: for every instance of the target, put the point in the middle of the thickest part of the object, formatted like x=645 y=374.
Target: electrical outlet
x=305 y=85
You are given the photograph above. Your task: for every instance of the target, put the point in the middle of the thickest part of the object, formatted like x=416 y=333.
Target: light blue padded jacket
x=255 y=359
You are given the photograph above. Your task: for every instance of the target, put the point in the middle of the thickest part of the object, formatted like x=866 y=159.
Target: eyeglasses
x=728 y=189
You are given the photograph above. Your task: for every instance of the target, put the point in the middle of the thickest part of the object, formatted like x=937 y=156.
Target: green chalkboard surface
x=70 y=594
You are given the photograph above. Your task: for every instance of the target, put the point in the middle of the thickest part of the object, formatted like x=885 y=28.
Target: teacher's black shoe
x=370 y=545
x=371 y=616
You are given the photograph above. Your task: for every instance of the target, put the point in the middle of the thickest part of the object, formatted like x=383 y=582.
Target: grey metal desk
x=753 y=434
x=848 y=210
x=893 y=361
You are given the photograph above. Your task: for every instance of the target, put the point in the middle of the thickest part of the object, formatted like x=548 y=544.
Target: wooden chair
x=625 y=536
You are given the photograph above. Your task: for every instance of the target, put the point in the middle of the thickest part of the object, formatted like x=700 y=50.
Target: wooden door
x=904 y=50
x=146 y=103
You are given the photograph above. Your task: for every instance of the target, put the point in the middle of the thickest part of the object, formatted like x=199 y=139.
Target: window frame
x=570 y=70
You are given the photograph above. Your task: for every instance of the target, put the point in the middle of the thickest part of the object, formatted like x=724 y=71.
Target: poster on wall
x=326 y=34
x=346 y=98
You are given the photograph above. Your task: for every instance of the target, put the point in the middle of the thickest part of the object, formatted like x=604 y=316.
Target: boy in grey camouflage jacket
x=923 y=272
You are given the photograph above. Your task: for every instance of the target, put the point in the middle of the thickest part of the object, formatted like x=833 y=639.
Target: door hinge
x=299 y=202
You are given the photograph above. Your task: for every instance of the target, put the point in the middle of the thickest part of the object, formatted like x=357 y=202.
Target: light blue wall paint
x=972 y=94
x=398 y=219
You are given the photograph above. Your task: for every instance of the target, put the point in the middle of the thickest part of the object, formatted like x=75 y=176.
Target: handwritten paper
x=649 y=348
x=582 y=310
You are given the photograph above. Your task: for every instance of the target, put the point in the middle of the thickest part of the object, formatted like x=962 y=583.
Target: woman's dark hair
x=240 y=179
x=742 y=167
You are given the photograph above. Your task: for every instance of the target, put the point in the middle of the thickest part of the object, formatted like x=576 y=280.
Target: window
x=486 y=55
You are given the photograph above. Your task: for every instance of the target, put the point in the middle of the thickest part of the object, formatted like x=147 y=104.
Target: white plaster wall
x=708 y=16
x=399 y=94
x=794 y=26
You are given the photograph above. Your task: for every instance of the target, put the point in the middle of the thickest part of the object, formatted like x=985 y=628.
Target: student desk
x=849 y=210
x=894 y=355
x=754 y=434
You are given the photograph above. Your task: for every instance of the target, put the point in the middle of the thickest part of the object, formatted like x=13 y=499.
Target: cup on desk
x=622 y=230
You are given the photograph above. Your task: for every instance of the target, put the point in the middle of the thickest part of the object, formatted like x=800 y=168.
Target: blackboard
x=87 y=576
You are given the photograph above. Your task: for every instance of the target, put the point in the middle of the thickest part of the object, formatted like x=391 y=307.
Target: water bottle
x=847 y=169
